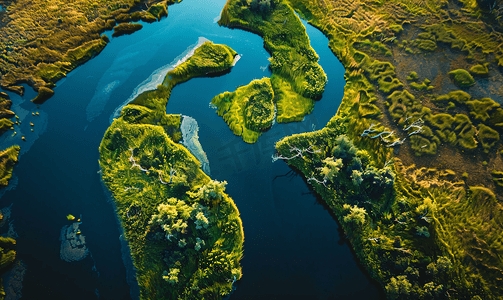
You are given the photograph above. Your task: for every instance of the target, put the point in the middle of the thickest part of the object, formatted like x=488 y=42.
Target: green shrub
x=462 y=78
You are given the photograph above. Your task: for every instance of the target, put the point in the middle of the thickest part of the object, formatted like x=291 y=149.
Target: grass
x=184 y=231
x=249 y=110
x=126 y=28
x=462 y=78
x=294 y=63
x=427 y=194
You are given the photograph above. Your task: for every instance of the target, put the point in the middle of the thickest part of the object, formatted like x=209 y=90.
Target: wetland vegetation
x=404 y=123
x=297 y=79
x=184 y=231
x=411 y=165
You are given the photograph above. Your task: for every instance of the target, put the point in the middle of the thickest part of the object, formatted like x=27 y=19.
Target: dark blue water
x=292 y=247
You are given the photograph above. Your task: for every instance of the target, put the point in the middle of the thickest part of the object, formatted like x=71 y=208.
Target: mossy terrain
x=126 y=28
x=7 y=257
x=298 y=80
x=184 y=231
x=5 y=113
x=249 y=110
x=393 y=163
x=208 y=59
x=8 y=158
x=41 y=42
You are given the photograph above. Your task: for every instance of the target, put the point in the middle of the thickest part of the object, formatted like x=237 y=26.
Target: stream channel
x=292 y=249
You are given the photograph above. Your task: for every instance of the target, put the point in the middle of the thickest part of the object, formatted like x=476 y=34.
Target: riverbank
x=185 y=234
x=398 y=120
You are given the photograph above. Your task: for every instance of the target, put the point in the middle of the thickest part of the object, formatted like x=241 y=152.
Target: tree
x=344 y=149
x=355 y=216
x=422 y=231
x=398 y=288
x=172 y=276
x=210 y=193
x=331 y=167
x=260 y=5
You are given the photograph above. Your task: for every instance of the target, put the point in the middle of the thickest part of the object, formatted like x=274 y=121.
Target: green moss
x=480 y=70
x=396 y=28
x=497 y=177
x=126 y=28
x=412 y=76
x=427 y=45
x=8 y=158
x=488 y=137
x=462 y=78
x=480 y=109
x=400 y=101
x=290 y=105
x=417 y=86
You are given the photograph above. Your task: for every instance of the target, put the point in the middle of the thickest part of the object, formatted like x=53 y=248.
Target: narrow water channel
x=292 y=247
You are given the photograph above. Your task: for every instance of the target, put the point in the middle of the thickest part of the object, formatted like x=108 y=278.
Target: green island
x=411 y=165
x=184 y=231
x=8 y=158
x=297 y=79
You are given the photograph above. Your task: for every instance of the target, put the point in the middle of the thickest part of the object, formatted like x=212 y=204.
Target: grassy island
x=184 y=231
x=249 y=110
x=410 y=165
x=8 y=158
x=298 y=80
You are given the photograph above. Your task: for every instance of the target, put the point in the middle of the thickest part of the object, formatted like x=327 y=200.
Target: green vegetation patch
x=249 y=110
x=184 y=231
x=126 y=28
x=462 y=78
x=8 y=158
x=208 y=59
x=488 y=137
x=426 y=45
x=292 y=58
x=497 y=178
x=480 y=70
x=290 y=105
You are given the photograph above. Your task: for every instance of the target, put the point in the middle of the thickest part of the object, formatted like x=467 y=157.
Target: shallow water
x=292 y=247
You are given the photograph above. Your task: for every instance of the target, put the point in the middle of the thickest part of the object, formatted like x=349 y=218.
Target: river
x=292 y=250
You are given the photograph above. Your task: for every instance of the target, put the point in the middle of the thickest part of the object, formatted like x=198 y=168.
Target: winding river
x=293 y=249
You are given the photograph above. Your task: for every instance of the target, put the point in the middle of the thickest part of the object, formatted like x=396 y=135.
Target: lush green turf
x=249 y=110
x=184 y=231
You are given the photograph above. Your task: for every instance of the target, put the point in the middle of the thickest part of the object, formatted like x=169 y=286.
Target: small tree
x=355 y=217
x=399 y=288
x=331 y=167
x=172 y=276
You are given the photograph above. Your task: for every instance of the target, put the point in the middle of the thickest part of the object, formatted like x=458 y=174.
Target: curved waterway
x=292 y=249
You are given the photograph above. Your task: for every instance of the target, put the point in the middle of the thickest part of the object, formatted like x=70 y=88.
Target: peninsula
x=184 y=231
